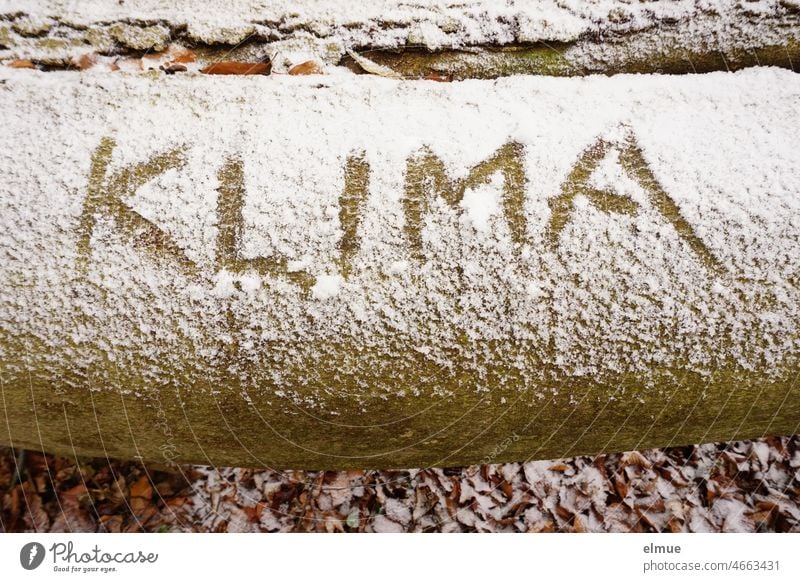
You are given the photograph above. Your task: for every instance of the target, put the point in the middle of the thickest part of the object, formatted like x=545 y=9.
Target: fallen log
x=463 y=40
x=350 y=271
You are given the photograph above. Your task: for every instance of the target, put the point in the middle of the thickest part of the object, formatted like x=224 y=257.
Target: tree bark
x=466 y=40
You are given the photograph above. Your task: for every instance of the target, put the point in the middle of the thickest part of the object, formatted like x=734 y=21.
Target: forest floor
x=739 y=486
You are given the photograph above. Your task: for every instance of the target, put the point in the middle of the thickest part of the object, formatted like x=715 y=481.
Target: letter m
x=426 y=172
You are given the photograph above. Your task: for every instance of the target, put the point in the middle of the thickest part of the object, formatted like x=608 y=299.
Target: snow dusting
x=629 y=225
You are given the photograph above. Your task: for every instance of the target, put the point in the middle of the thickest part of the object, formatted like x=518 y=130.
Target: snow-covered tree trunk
x=339 y=270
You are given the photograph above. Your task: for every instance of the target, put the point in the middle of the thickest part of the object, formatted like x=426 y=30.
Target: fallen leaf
x=285 y=494
x=85 y=61
x=36 y=517
x=111 y=523
x=373 y=67
x=333 y=523
x=579 y=524
x=259 y=509
x=21 y=64
x=760 y=516
x=621 y=487
x=138 y=504
x=675 y=526
x=118 y=489
x=177 y=502
x=636 y=458
x=543 y=527
x=73 y=517
x=74 y=494
x=142 y=488
x=438 y=78
x=451 y=500
x=767 y=504
x=306 y=68
x=173 y=56
x=237 y=68
x=41 y=483
x=180 y=54
x=563 y=512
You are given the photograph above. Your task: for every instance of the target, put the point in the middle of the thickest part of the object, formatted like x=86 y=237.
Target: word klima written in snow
x=426 y=178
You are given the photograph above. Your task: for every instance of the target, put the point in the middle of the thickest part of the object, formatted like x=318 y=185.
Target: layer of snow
x=430 y=23
x=618 y=293
x=482 y=203
x=327 y=286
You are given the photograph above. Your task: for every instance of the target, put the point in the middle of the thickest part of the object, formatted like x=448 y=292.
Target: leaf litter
x=745 y=486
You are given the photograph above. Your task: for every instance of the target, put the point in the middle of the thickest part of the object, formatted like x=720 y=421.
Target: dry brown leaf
x=452 y=499
x=111 y=523
x=75 y=493
x=306 y=68
x=767 y=504
x=138 y=504
x=333 y=523
x=543 y=527
x=760 y=516
x=14 y=501
x=563 y=512
x=237 y=68
x=21 y=64
x=637 y=459
x=180 y=54
x=174 y=56
x=73 y=517
x=165 y=489
x=36 y=517
x=142 y=488
x=373 y=67
x=675 y=525
x=85 y=61
x=579 y=524
x=118 y=489
x=177 y=502
x=41 y=482
x=251 y=513
x=438 y=78
x=621 y=487
x=285 y=494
